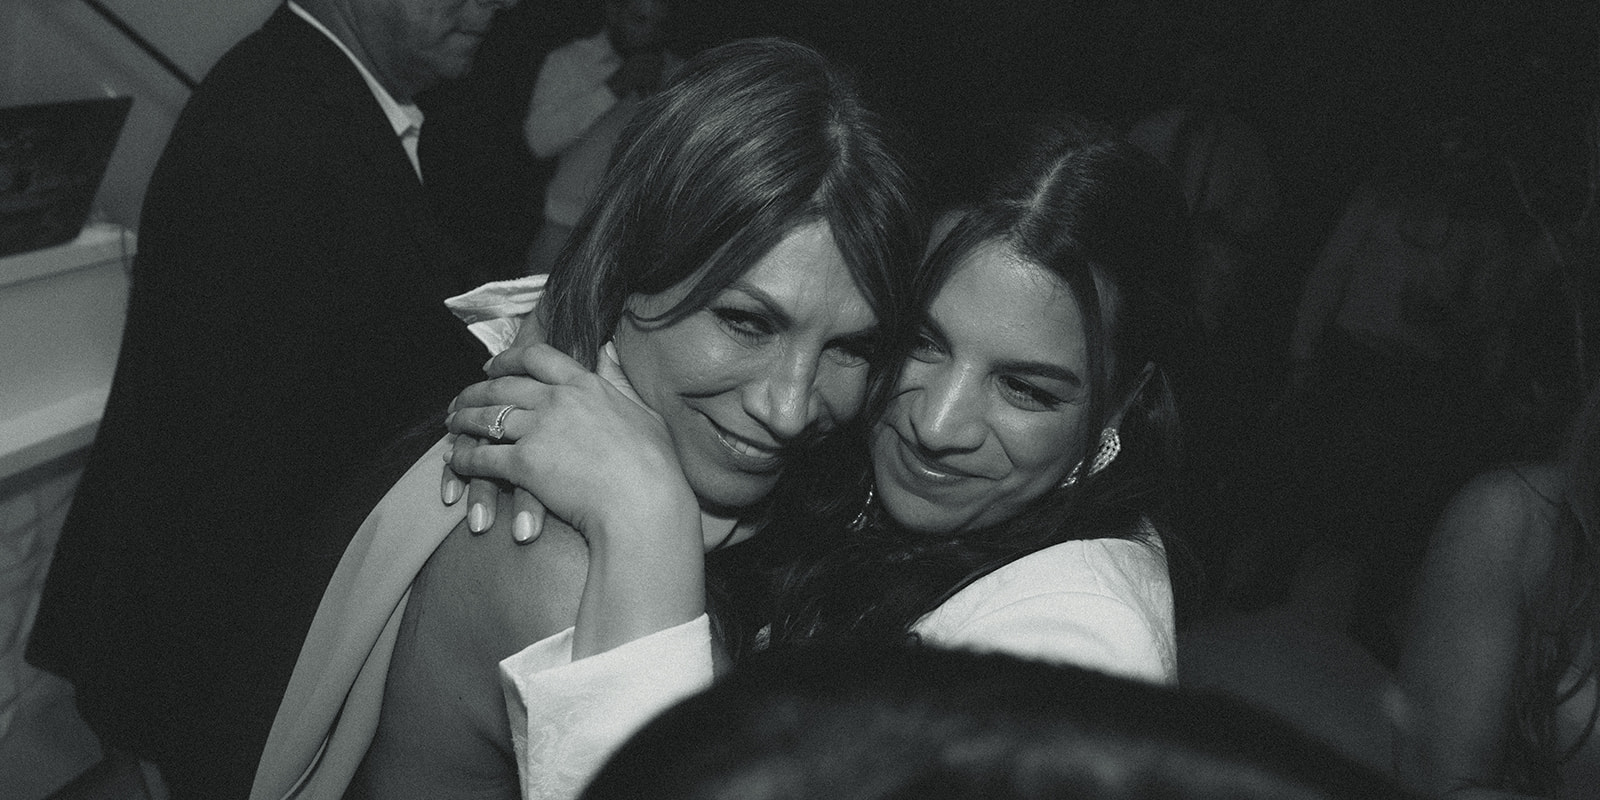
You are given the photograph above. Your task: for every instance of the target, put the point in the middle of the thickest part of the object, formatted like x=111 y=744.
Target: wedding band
x=498 y=429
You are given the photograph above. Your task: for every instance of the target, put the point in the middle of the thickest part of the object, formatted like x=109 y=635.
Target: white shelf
x=48 y=433
x=99 y=243
x=61 y=315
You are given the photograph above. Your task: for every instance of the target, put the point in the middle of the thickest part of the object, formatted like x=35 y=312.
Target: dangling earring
x=859 y=524
x=1110 y=446
x=1110 y=441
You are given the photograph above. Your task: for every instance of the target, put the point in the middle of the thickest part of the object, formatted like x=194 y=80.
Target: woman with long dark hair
x=1034 y=408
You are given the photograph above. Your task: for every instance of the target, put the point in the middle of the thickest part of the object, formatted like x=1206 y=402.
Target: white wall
x=54 y=50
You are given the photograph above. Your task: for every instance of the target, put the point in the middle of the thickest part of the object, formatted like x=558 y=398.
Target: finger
x=450 y=486
x=528 y=521
x=519 y=391
x=476 y=459
x=538 y=361
x=530 y=330
x=493 y=423
x=481 y=503
x=608 y=368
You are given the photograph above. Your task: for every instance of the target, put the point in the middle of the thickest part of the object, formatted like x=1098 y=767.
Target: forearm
x=568 y=716
x=646 y=574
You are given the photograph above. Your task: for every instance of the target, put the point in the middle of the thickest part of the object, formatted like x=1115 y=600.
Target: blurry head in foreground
x=929 y=723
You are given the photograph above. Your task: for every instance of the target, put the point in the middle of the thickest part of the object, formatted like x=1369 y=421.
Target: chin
x=730 y=494
x=916 y=514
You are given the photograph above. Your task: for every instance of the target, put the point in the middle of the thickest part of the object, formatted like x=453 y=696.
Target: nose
x=946 y=410
x=784 y=399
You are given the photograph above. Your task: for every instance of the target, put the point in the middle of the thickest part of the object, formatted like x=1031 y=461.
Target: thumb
x=611 y=369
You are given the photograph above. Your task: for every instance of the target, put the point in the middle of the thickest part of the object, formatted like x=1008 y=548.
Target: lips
x=750 y=455
x=925 y=470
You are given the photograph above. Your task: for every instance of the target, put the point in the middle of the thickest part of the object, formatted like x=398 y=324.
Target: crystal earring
x=1110 y=446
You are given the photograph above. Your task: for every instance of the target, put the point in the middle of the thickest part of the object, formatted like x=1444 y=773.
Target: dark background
x=1332 y=86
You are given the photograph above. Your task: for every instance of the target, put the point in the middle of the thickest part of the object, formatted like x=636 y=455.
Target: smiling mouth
x=746 y=449
x=928 y=471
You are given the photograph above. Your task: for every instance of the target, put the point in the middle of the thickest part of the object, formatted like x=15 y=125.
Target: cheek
x=1040 y=449
x=677 y=363
x=883 y=439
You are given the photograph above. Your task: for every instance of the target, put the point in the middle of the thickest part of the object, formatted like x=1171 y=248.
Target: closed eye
x=1028 y=396
x=855 y=350
x=745 y=325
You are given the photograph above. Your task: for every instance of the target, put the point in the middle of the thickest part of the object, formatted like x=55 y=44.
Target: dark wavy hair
x=1106 y=219
x=890 y=723
x=750 y=140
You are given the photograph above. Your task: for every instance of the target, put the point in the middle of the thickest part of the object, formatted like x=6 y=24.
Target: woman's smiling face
x=991 y=409
x=778 y=355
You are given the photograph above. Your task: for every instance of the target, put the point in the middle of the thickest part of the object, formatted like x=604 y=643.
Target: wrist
x=645 y=502
x=643 y=577
x=641 y=528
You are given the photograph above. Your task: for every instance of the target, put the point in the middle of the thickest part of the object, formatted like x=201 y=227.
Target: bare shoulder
x=1505 y=516
x=1508 y=497
x=511 y=595
x=443 y=729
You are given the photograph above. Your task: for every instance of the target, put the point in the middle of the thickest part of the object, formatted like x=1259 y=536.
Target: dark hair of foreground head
x=918 y=722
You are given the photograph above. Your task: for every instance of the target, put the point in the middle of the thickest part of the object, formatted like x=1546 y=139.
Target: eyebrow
x=782 y=316
x=767 y=301
x=1043 y=370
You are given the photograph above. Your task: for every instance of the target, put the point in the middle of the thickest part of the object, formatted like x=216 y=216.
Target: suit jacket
x=285 y=326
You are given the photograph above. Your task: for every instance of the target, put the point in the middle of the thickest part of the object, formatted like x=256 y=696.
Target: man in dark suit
x=285 y=327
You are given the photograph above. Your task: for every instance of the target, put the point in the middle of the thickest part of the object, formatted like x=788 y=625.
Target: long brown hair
x=750 y=140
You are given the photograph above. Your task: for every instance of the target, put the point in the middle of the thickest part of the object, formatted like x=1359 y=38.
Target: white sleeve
x=567 y=717
x=568 y=97
x=1084 y=629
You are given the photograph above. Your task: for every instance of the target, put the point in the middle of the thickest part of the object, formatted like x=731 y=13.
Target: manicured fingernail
x=451 y=491
x=487 y=363
x=522 y=528
x=452 y=406
x=449 y=418
x=478 y=518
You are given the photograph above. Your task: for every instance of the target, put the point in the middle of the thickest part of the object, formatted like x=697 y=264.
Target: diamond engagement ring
x=498 y=429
